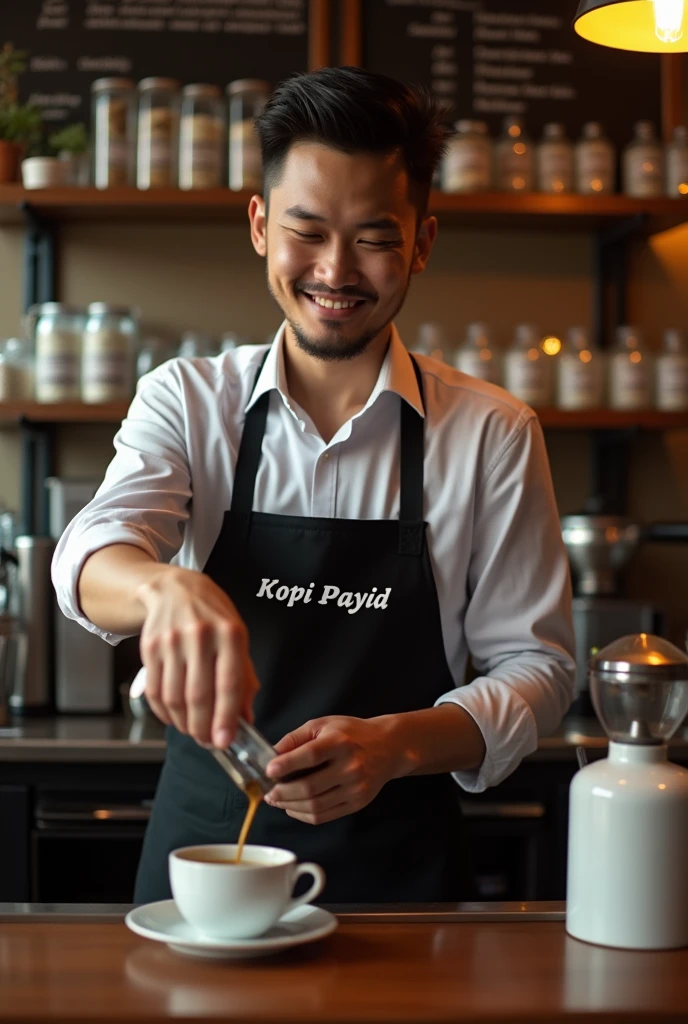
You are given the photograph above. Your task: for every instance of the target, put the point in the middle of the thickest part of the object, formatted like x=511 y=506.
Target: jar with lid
x=57 y=333
x=555 y=160
x=677 y=162
x=643 y=163
x=630 y=371
x=580 y=376
x=16 y=371
x=527 y=369
x=201 y=137
x=477 y=356
x=672 y=372
x=152 y=352
x=514 y=158
x=247 y=99
x=113 y=103
x=431 y=341
x=194 y=345
x=595 y=161
x=467 y=163
x=107 y=369
x=158 y=131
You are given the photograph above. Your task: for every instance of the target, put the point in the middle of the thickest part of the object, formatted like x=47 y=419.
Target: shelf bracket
x=40 y=265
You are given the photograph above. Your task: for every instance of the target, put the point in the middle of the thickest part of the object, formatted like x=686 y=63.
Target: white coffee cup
x=238 y=901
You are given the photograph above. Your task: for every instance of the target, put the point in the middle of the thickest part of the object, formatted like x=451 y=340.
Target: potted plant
x=20 y=124
x=71 y=145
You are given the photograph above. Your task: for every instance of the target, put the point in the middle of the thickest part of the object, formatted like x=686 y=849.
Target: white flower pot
x=44 y=172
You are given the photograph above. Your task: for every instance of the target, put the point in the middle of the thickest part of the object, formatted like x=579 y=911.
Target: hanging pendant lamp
x=650 y=26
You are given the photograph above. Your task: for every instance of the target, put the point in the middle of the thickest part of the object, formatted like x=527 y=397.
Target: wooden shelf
x=496 y=210
x=551 y=419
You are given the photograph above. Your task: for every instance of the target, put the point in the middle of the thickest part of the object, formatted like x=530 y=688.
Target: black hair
x=354 y=111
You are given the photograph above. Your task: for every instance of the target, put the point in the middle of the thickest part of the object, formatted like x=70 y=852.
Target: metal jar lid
x=640 y=657
x=201 y=91
x=111 y=84
x=243 y=85
x=152 y=84
x=105 y=309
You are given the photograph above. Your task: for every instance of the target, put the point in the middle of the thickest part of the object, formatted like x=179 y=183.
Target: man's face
x=341 y=241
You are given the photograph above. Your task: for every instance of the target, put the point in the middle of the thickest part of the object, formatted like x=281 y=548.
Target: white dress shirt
x=495 y=542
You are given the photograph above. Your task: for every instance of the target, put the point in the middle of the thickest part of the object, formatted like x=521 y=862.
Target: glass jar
x=16 y=371
x=107 y=369
x=247 y=99
x=595 y=162
x=201 y=137
x=514 y=158
x=431 y=341
x=527 y=370
x=153 y=352
x=231 y=340
x=672 y=372
x=580 y=376
x=57 y=333
x=158 y=131
x=113 y=103
x=194 y=345
x=630 y=371
x=643 y=163
x=477 y=356
x=555 y=160
x=467 y=163
x=677 y=162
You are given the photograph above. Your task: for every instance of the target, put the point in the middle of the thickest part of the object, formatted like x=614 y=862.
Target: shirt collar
x=396 y=375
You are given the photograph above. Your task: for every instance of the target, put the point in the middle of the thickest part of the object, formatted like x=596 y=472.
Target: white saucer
x=162 y=922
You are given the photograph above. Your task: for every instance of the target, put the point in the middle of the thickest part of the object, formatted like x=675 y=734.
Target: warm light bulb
x=552 y=346
x=669 y=20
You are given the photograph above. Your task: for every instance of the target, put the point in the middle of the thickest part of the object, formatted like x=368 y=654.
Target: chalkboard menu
x=73 y=42
x=492 y=58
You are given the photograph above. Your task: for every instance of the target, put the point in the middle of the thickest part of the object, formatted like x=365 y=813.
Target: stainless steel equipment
x=84 y=662
x=32 y=678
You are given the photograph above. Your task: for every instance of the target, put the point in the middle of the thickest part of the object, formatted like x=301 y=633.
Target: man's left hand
x=349 y=761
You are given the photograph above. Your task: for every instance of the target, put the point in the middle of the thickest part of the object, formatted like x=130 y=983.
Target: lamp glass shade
x=626 y=25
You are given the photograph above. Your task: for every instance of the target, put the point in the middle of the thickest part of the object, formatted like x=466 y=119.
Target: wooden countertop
x=482 y=972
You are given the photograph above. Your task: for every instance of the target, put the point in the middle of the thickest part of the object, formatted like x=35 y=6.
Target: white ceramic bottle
x=555 y=160
x=595 y=162
x=630 y=371
x=477 y=356
x=627 y=883
x=643 y=163
x=527 y=370
x=580 y=376
x=514 y=163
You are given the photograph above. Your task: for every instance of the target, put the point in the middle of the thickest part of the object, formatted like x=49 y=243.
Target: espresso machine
x=599 y=547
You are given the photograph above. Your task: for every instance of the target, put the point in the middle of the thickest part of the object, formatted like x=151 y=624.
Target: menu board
x=491 y=58
x=73 y=42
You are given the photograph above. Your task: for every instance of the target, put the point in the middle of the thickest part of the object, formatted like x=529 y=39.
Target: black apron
x=315 y=659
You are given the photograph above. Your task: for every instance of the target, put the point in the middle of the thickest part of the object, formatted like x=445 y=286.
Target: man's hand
x=350 y=760
x=194 y=646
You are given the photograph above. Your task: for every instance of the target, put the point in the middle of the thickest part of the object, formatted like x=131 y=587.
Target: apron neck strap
x=412 y=448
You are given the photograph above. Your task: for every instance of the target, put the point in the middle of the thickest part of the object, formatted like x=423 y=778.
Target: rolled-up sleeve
x=144 y=499
x=518 y=622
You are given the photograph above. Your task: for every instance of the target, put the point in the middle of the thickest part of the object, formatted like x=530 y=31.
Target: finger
x=312 y=804
x=322 y=818
x=230 y=677
x=313 y=785
x=200 y=679
x=172 y=691
x=153 y=666
x=297 y=738
x=312 y=754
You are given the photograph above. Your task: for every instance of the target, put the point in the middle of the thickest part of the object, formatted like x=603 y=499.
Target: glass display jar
x=672 y=372
x=630 y=371
x=467 y=163
x=477 y=356
x=194 y=345
x=643 y=163
x=113 y=104
x=527 y=369
x=152 y=352
x=580 y=373
x=107 y=369
x=158 y=131
x=247 y=99
x=555 y=160
x=677 y=163
x=595 y=161
x=16 y=371
x=514 y=158
x=431 y=341
x=201 y=137
x=57 y=333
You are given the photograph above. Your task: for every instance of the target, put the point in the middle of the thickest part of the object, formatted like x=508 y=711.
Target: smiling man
x=316 y=534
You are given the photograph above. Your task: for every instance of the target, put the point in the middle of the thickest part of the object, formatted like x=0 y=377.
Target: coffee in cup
x=227 y=899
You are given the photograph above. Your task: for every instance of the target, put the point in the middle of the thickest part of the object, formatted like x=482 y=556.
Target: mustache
x=347 y=290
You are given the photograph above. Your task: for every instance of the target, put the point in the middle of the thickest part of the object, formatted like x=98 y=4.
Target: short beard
x=333 y=348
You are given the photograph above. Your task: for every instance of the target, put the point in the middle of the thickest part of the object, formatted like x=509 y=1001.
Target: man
x=319 y=532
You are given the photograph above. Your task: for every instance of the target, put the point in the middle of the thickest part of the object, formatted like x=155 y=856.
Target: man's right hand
x=194 y=647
